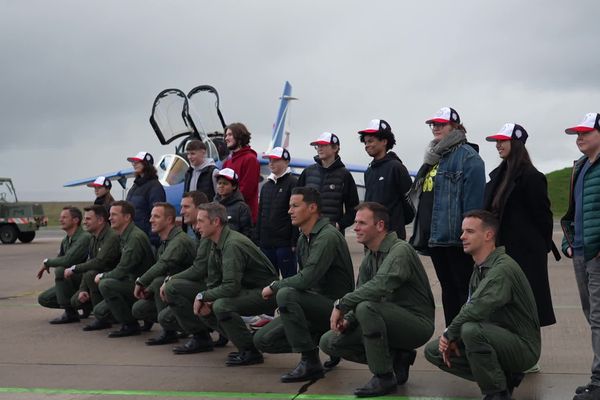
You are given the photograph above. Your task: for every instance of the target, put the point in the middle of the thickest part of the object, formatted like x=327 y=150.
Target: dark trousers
x=283 y=258
x=453 y=269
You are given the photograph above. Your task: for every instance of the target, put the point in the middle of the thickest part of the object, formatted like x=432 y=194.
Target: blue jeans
x=587 y=275
x=283 y=259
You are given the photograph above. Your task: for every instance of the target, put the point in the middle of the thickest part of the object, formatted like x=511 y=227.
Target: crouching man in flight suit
x=116 y=286
x=390 y=313
x=305 y=299
x=496 y=334
x=104 y=254
x=237 y=273
x=73 y=249
x=175 y=253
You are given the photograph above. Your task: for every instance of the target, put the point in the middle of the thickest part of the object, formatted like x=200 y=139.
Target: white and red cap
x=277 y=153
x=510 y=131
x=142 y=156
x=326 y=138
x=101 y=181
x=444 y=115
x=375 y=127
x=590 y=122
x=228 y=174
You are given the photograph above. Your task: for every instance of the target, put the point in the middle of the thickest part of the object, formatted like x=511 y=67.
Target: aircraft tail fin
x=280 y=137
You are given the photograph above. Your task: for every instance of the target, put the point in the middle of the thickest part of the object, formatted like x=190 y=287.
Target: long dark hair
x=149 y=171
x=510 y=167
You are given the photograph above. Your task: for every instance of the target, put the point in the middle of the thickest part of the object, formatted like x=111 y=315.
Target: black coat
x=274 y=226
x=238 y=213
x=386 y=182
x=143 y=194
x=338 y=191
x=526 y=230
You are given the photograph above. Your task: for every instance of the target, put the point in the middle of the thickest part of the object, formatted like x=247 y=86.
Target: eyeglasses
x=434 y=125
x=320 y=146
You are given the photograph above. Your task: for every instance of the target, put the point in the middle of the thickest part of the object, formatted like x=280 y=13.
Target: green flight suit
x=73 y=250
x=305 y=300
x=174 y=254
x=237 y=273
x=497 y=329
x=104 y=254
x=116 y=286
x=182 y=288
x=392 y=308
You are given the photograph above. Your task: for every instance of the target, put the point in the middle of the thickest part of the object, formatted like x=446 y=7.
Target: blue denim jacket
x=458 y=188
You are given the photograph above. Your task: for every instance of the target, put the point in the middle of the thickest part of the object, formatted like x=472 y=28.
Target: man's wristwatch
x=45 y=261
x=336 y=304
x=138 y=282
x=200 y=296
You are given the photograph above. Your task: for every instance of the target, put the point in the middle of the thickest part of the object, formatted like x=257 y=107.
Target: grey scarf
x=437 y=149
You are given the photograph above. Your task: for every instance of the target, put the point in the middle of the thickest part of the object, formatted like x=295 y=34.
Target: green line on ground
x=209 y=395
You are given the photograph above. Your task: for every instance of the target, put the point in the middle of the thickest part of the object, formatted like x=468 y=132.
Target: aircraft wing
x=122 y=173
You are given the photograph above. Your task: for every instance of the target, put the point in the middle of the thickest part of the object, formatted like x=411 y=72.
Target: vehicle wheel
x=26 y=237
x=8 y=234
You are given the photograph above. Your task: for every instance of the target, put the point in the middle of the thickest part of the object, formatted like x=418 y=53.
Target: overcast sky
x=78 y=78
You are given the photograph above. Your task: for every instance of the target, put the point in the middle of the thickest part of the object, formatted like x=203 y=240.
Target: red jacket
x=246 y=165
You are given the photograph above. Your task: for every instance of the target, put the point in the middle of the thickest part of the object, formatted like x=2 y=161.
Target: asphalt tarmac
x=43 y=361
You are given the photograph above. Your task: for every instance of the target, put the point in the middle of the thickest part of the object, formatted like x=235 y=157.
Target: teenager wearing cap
x=331 y=178
x=581 y=227
x=517 y=194
x=450 y=182
x=276 y=235
x=229 y=195
x=102 y=188
x=244 y=161
x=146 y=191
x=386 y=179
x=202 y=174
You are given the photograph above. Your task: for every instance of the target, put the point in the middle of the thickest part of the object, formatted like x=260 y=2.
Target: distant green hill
x=558 y=191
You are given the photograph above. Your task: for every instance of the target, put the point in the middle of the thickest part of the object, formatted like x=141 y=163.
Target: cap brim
x=133 y=159
x=578 y=129
x=272 y=157
x=319 y=142
x=439 y=120
x=368 y=131
x=95 y=185
x=498 y=136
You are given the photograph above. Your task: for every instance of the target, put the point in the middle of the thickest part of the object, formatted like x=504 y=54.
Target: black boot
x=332 y=362
x=245 y=357
x=402 y=362
x=503 y=395
x=165 y=337
x=97 y=325
x=221 y=341
x=86 y=310
x=70 y=315
x=126 y=330
x=198 y=343
x=379 y=385
x=308 y=368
